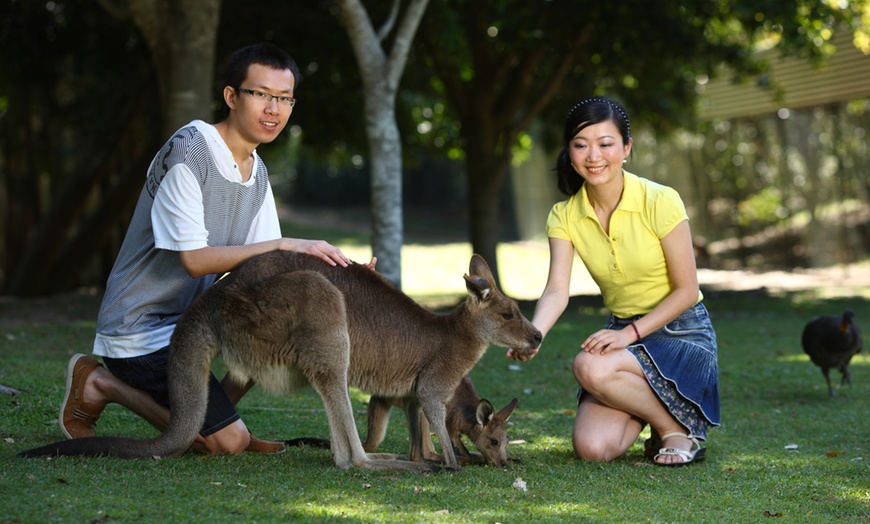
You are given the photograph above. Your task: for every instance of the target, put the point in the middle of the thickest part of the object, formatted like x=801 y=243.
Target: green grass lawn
x=785 y=449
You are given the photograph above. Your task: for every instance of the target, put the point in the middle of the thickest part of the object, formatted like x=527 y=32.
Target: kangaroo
x=286 y=319
x=467 y=414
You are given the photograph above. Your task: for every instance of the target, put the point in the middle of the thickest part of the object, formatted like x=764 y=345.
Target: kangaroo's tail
x=109 y=446
x=192 y=350
x=309 y=441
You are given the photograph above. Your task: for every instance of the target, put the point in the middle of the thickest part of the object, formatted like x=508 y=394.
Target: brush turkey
x=831 y=342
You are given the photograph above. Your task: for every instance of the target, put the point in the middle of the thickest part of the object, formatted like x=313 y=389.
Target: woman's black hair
x=588 y=112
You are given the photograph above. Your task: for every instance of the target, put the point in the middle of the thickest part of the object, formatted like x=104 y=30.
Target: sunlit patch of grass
x=435 y=271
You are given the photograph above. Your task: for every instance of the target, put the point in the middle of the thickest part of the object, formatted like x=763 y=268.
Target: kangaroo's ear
x=506 y=411
x=478 y=266
x=481 y=282
x=485 y=412
x=478 y=287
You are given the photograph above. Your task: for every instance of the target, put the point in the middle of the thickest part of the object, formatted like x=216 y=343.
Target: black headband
x=604 y=101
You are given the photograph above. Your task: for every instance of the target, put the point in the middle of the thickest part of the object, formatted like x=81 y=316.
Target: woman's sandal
x=696 y=454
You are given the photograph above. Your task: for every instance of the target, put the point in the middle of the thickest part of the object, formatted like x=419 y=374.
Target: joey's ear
x=485 y=412
x=478 y=287
x=506 y=411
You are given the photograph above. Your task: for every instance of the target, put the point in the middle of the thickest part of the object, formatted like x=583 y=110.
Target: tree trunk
x=181 y=35
x=380 y=74
x=46 y=265
x=486 y=172
x=386 y=185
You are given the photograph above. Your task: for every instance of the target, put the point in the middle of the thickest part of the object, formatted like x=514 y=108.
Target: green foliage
x=79 y=102
x=761 y=209
x=784 y=449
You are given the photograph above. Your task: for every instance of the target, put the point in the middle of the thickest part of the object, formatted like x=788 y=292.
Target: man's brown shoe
x=78 y=418
x=265 y=446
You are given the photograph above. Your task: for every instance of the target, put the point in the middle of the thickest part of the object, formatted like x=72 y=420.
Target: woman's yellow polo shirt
x=628 y=265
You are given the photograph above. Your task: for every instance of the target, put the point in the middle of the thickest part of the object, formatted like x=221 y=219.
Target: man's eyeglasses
x=286 y=101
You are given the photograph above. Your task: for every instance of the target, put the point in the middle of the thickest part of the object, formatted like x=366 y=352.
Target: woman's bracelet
x=636 y=332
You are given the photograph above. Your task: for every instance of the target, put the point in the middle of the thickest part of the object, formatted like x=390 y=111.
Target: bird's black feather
x=831 y=342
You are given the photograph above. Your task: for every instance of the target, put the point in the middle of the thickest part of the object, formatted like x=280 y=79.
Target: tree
x=86 y=98
x=501 y=65
x=76 y=123
x=181 y=35
x=381 y=71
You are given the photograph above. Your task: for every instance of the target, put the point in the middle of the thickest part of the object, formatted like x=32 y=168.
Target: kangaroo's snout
x=532 y=343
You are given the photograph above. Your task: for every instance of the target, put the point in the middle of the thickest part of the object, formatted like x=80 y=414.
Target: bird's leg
x=828 y=379
x=847 y=376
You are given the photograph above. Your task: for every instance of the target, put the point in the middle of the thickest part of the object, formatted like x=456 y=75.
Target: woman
x=655 y=362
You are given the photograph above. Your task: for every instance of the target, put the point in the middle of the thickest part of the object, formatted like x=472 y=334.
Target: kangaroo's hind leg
x=378 y=418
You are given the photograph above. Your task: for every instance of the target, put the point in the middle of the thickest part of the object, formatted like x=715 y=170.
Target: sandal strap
x=686 y=455
x=695 y=443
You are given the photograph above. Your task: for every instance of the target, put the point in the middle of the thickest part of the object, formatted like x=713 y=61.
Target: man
x=206 y=207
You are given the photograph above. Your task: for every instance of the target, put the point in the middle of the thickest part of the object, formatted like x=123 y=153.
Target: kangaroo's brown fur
x=466 y=414
x=285 y=319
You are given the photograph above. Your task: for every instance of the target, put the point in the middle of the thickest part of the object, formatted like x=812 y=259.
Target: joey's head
x=492 y=440
x=495 y=317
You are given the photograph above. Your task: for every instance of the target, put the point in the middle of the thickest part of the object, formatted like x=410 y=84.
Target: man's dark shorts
x=149 y=373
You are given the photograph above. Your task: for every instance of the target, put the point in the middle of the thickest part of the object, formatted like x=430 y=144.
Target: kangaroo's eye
x=494 y=442
x=507 y=316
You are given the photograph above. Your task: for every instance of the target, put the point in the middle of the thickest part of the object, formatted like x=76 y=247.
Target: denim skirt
x=680 y=362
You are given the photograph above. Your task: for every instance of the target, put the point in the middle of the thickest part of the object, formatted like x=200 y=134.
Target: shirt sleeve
x=668 y=210
x=557 y=226
x=178 y=216
x=266 y=225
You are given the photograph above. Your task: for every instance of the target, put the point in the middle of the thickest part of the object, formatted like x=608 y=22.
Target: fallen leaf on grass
x=520 y=484
x=442 y=512
x=832 y=454
x=417 y=490
x=767 y=513
x=569 y=412
x=7 y=390
x=9 y=440
x=791 y=447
